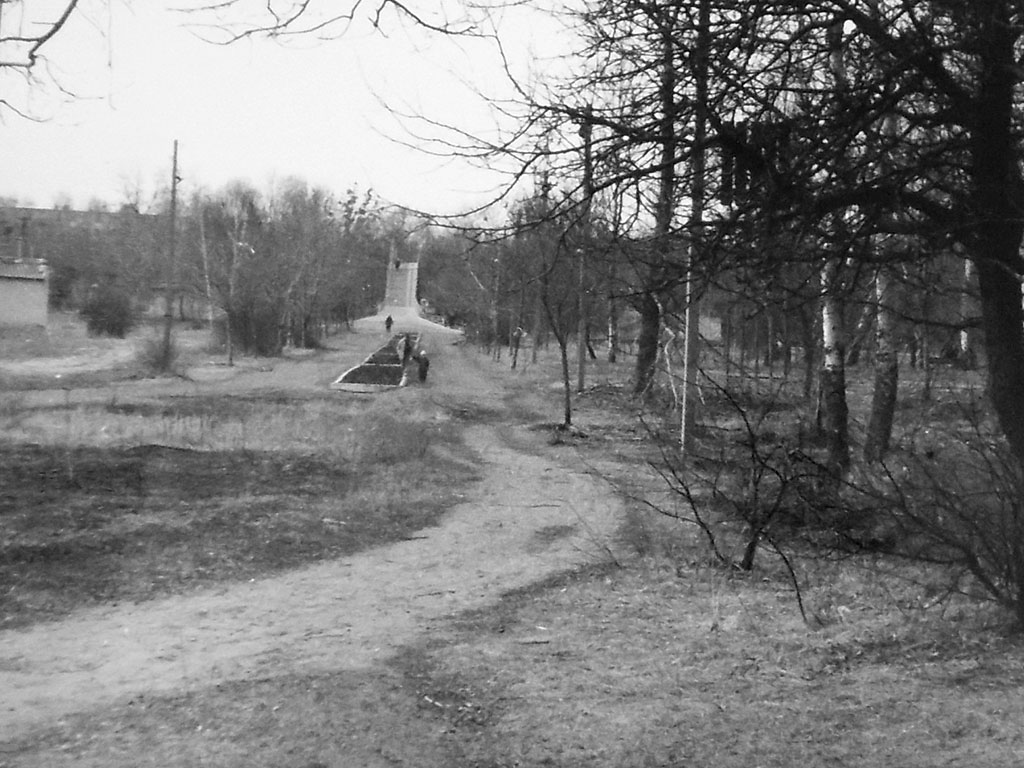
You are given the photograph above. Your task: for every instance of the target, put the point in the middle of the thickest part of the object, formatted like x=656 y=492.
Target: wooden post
x=169 y=276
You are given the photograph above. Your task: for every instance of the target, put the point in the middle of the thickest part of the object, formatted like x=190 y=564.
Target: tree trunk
x=170 y=273
x=204 y=252
x=744 y=346
x=727 y=344
x=698 y=188
x=997 y=188
x=835 y=411
x=613 y=324
x=591 y=353
x=861 y=333
x=787 y=348
x=922 y=339
x=807 y=329
x=562 y=337
x=228 y=332
x=1002 y=321
x=927 y=370
x=755 y=329
x=582 y=320
x=968 y=342
x=566 y=386
x=650 y=310
x=883 y=399
x=647 y=344
x=537 y=327
x=886 y=358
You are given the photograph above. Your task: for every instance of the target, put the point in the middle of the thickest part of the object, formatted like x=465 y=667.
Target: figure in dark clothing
x=406 y=349
x=424 y=366
x=388 y=322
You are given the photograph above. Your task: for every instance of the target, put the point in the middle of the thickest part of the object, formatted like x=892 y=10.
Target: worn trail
x=530 y=516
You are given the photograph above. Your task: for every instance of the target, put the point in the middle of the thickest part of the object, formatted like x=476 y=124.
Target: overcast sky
x=254 y=110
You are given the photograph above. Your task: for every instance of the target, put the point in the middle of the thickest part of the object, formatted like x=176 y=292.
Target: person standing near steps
x=388 y=322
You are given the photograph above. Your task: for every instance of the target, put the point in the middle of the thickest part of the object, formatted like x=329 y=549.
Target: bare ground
x=534 y=514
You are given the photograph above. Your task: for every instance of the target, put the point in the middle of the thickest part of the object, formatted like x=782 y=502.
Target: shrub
x=949 y=497
x=959 y=505
x=108 y=312
x=155 y=357
x=255 y=329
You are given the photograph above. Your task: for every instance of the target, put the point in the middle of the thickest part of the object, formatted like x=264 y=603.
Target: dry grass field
x=121 y=488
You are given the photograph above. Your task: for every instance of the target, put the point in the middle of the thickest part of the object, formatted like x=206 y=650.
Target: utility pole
x=586 y=131
x=169 y=275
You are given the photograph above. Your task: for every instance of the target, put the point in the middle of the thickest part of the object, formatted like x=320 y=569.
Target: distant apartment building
x=46 y=255
x=23 y=229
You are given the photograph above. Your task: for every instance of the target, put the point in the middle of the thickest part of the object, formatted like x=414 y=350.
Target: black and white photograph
x=511 y=384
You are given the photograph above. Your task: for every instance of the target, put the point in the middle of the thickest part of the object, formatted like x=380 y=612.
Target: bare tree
x=25 y=34
x=807 y=150
x=232 y=20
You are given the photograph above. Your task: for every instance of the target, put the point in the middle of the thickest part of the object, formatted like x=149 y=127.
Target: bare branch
x=35 y=42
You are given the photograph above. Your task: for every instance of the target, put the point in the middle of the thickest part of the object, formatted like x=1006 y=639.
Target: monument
x=385 y=368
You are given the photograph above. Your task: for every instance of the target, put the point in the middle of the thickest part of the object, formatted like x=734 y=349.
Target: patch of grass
x=64 y=335
x=86 y=379
x=155 y=357
x=474 y=413
x=630 y=667
x=326 y=720
x=650 y=666
x=129 y=501
x=263 y=421
x=12 y=406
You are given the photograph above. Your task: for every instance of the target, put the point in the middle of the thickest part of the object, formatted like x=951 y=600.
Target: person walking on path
x=388 y=322
x=424 y=365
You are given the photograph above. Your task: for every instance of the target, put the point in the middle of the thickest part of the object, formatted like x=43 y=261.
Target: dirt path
x=532 y=515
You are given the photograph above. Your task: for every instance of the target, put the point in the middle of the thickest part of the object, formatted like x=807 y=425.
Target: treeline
x=264 y=270
x=283 y=268
x=835 y=181
x=815 y=178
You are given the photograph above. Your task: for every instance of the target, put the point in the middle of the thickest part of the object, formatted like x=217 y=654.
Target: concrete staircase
x=400 y=290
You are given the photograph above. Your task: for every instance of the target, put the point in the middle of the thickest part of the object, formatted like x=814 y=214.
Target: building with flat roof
x=24 y=292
